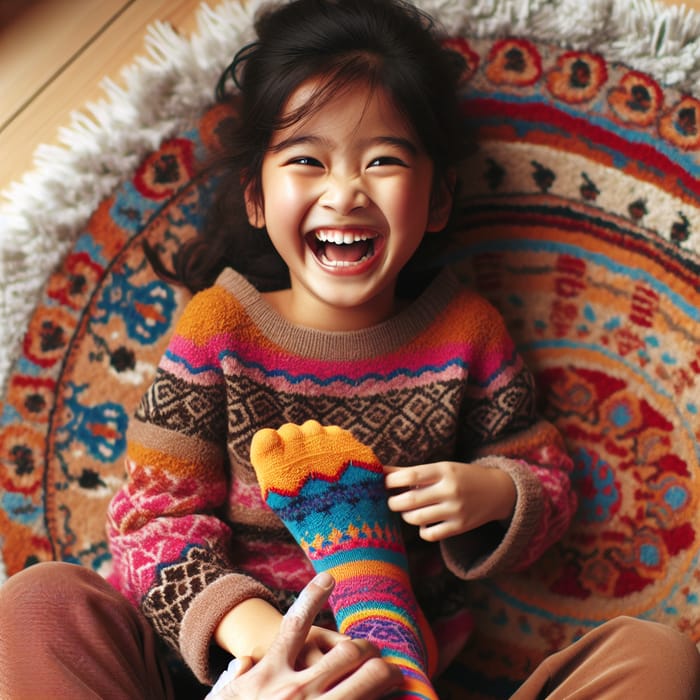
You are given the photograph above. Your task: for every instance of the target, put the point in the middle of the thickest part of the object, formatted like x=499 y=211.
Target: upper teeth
x=341 y=237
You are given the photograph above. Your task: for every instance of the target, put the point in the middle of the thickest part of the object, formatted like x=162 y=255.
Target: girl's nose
x=344 y=195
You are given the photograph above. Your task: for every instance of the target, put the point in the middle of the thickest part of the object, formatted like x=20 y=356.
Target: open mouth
x=335 y=248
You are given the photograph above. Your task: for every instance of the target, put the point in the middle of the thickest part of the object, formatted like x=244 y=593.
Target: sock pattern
x=328 y=489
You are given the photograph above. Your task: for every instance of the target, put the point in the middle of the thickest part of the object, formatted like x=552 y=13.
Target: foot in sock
x=328 y=489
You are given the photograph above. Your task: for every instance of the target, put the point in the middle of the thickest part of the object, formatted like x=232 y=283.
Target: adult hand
x=445 y=499
x=351 y=670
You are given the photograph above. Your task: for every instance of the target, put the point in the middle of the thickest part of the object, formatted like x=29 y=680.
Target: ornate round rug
x=579 y=219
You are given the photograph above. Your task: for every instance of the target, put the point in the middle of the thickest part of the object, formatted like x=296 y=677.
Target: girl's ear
x=254 y=210
x=441 y=203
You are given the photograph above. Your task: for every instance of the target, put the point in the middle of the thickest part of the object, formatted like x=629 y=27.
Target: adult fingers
x=341 y=662
x=370 y=681
x=319 y=641
x=237 y=667
x=299 y=618
x=312 y=598
x=243 y=665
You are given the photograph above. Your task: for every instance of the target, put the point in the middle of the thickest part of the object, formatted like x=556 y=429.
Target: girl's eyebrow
x=297 y=141
x=396 y=141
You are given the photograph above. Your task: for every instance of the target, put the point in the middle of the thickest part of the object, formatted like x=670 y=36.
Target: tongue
x=351 y=252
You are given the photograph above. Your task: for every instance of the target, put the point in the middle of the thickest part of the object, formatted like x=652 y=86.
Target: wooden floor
x=53 y=54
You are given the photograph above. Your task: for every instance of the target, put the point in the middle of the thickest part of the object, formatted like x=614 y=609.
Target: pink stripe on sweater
x=340 y=386
x=181 y=371
x=199 y=356
x=196 y=361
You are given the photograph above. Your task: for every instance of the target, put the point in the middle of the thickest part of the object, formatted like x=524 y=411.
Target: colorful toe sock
x=328 y=489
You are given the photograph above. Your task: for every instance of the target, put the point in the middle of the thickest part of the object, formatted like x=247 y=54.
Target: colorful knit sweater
x=441 y=380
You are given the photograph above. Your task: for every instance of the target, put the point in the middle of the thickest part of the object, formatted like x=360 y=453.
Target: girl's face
x=347 y=200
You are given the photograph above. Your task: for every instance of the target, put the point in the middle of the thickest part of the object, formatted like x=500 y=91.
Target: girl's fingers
x=438 y=532
x=404 y=478
x=416 y=498
x=429 y=515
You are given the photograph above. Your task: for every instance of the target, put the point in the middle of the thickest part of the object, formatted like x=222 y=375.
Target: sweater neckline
x=392 y=334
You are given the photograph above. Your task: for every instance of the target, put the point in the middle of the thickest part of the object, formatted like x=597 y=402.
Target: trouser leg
x=66 y=633
x=622 y=659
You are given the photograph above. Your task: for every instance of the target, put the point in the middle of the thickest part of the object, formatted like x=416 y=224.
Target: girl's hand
x=445 y=499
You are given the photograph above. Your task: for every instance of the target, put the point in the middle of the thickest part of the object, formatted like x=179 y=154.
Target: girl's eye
x=387 y=160
x=306 y=160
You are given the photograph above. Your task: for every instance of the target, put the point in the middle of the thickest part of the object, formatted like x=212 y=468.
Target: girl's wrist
x=249 y=628
x=508 y=496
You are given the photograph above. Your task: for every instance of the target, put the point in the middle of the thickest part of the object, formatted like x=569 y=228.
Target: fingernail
x=324 y=580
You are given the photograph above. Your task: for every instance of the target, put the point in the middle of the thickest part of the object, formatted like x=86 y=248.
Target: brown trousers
x=66 y=633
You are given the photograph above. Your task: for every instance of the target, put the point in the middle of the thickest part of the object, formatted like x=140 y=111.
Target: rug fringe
x=41 y=214
x=661 y=40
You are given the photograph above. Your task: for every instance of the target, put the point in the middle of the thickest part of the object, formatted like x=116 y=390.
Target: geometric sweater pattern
x=189 y=532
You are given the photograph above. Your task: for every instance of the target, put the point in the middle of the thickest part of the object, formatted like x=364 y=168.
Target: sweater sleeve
x=171 y=551
x=502 y=430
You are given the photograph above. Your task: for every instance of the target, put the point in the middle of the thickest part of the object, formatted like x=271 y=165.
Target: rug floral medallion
x=579 y=219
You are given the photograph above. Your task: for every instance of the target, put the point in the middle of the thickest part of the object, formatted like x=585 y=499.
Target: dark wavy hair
x=387 y=44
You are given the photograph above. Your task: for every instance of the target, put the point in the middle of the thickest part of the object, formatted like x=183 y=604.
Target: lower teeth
x=342 y=263
x=321 y=253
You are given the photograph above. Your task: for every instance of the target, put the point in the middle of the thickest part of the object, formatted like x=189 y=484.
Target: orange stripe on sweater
x=192 y=464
